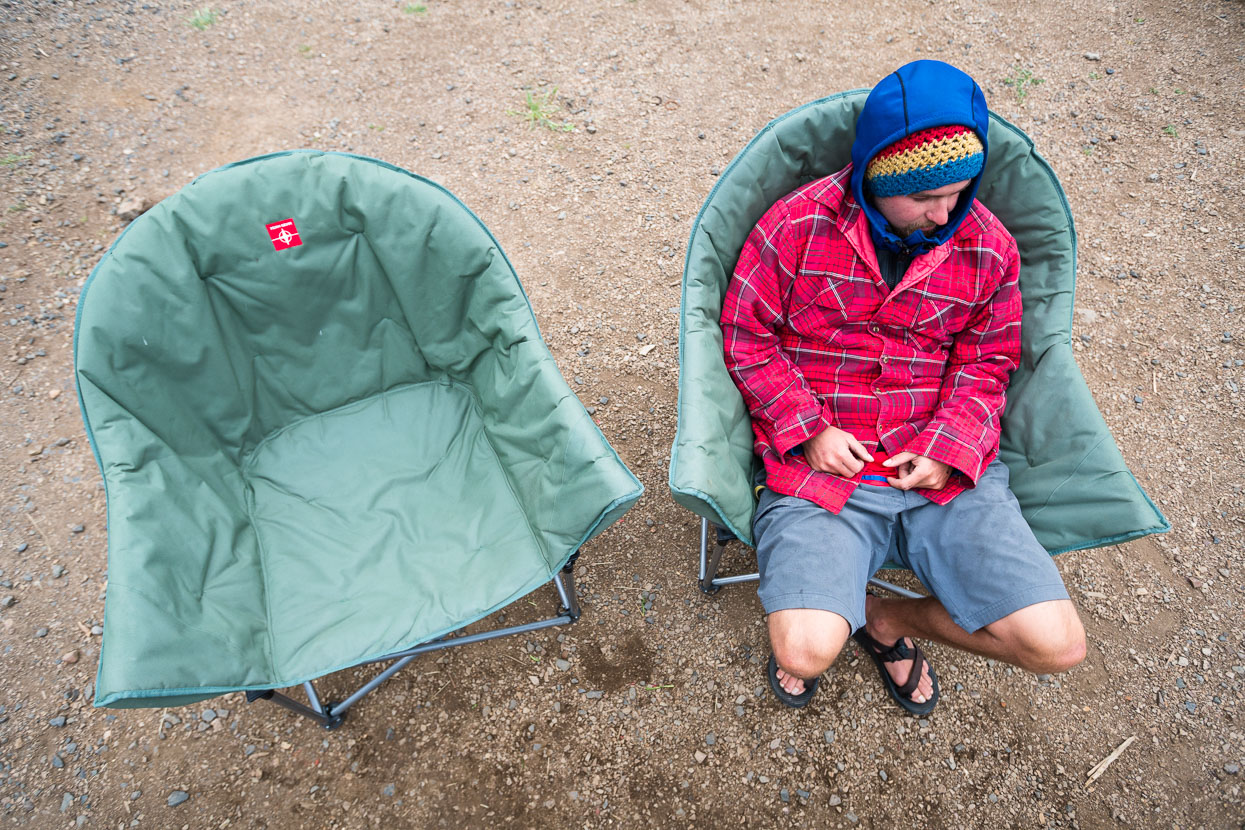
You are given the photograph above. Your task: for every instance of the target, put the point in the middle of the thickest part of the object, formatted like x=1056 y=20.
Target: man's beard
x=908 y=230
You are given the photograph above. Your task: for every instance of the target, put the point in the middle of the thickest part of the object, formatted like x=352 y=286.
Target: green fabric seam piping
x=263 y=569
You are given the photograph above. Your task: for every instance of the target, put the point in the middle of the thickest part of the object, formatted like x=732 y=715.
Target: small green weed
x=203 y=18
x=12 y=159
x=1093 y=76
x=380 y=128
x=646 y=605
x=539 y=111
x=1023 y=81
x=1171 y=130
x=304 y=50
x=414 y=8
x=17 y=207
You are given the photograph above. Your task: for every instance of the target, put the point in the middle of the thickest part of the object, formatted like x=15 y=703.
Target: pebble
x=70 y=657
x=711 y=739
x=699 y=756
x=40 y=633
x=785 y=795
x=562 y=665
x=58 y=721
x=178 y=797
x=8 y=601
x=208 y=715
x=828 y=735
x=131 y=208
x=58 y=571
x=66 y=801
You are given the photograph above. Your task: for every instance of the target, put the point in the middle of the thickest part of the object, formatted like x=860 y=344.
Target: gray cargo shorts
x=976 y=554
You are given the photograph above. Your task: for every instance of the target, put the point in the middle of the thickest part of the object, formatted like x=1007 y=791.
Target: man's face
x=921 y=211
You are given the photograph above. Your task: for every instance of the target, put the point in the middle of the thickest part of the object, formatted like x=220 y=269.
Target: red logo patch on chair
x=284 y=234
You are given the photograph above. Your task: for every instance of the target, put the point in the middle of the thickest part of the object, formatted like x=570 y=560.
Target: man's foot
x=790 y=690
x=896 y=657
x=791 y=684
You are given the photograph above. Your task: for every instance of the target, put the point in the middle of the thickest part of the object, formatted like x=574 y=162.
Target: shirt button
x=875 y=329
x=885 y=358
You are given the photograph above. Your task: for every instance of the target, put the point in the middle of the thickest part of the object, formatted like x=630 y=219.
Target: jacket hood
x=915 y=97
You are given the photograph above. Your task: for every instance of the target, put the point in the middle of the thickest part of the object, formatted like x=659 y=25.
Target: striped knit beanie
x=925 y=160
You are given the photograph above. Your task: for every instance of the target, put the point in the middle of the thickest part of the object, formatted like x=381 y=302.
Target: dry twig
x=1099 y=768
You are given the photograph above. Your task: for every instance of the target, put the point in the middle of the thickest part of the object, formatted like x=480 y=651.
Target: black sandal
x=899 y=651
x=794 y=701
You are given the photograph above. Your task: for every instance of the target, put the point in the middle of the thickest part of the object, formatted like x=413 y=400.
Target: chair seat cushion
x=382 y=523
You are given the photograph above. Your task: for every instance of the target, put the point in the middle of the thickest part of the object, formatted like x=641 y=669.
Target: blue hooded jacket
x=915 y=97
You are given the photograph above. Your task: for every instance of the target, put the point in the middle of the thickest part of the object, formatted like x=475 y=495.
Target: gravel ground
x=652 y=708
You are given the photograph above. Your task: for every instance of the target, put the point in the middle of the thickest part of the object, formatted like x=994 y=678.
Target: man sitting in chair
x=872 y=325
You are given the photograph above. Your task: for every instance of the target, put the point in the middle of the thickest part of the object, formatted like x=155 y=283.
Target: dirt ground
x=652 y=708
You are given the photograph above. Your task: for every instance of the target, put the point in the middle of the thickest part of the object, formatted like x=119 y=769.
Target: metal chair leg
x=709 y=562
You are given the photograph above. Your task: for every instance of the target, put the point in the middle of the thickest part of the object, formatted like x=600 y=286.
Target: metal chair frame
x=332 y=715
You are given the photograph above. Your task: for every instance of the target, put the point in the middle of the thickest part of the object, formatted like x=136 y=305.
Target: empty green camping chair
x=330 y=433
x=1071 y=481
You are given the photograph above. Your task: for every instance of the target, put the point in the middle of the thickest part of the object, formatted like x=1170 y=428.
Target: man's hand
x=917 y=471
x=835 y=451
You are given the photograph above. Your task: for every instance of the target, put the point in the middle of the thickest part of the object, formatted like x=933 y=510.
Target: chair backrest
x=1054 y=440
x=203 y=318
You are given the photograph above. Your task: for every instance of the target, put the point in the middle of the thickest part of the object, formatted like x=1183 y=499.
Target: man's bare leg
x=1043 y=638
x=806 y=641
x=1046 y=637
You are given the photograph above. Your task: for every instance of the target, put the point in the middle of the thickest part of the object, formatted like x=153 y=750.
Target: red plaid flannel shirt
x=814 y=338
